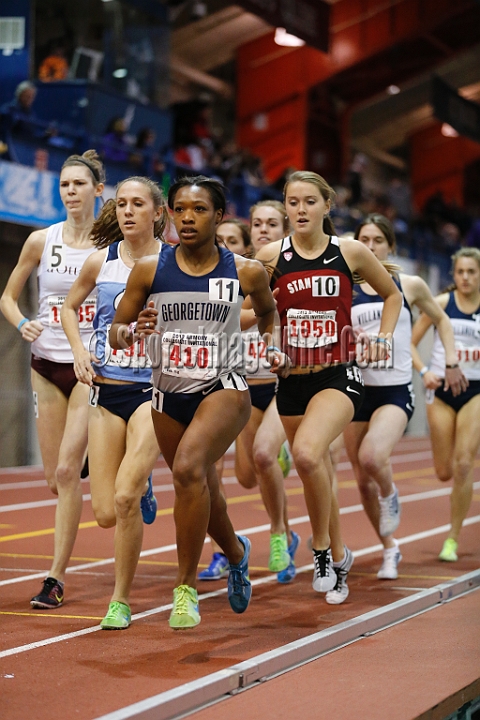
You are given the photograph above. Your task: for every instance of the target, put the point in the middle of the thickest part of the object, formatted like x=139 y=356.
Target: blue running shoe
x=287 y=575
x=239 y=585
x=148 y=504
x=217 y=569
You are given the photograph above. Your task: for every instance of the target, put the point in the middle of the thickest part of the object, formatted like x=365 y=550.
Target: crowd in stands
x=439 y=230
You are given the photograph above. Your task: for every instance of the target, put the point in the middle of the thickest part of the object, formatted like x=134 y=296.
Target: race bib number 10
x=311 y=329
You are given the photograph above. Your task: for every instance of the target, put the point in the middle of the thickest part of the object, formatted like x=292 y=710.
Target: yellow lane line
x=52 y=615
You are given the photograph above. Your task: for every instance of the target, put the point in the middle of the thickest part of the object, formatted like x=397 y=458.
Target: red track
x=46 y=666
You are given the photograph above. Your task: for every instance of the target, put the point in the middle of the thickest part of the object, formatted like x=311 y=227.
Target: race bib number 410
x=311 y=329
x=189 y=355
x=86 y=312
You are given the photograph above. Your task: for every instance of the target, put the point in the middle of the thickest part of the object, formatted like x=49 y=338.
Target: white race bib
x=469 y=357
x=311 y=329
x=86 y=311
x=134 y=356
x=190 y=355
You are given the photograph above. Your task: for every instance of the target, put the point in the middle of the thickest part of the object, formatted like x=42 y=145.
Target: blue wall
x=15 y=67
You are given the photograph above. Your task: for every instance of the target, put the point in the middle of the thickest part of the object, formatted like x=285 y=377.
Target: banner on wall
x=451 y=108
x=307 y=19
x=30 y=197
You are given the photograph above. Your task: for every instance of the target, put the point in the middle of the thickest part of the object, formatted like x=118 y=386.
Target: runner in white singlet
x=58 y=253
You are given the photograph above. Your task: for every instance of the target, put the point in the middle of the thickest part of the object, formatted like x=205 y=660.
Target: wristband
x=22 y=323
x=452 y=367
x=272 y=348
x=385 y=342
x=423 y=371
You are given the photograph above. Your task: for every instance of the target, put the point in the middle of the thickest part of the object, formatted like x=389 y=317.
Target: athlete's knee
x=66 y=475
x=126 y=504
x=462 y=465
x=444 y=472
x=188 y=472
x=306 y=462
x=247 y=479
x=370 y=460
x=264 y=460
x=105 y=519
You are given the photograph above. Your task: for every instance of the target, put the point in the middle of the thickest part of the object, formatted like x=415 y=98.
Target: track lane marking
x=413 y=497
x=222 y=591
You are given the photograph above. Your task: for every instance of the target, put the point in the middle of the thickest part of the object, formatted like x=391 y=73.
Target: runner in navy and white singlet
x=389 y=399
x=194 y=295
x=58 y=253
x=313 y=272
x=128 y=228
x=454 y=420
x=261 y=452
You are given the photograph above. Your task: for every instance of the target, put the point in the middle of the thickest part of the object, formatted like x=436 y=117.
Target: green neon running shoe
x=118 y=617
x=285 y=459
x=279 y=557
x=449 y=551
x=185 y=612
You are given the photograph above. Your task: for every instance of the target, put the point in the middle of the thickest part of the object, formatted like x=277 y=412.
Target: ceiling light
x=120 y=73
x=287 y=40
x=393 y=89
x=449 y=131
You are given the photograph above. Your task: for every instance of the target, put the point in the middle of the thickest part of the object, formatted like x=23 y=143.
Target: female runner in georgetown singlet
x=455 y=420
x=122 y=447
x=389 y=401
x=261 y=456
x=59 y=253
x=200 y=404
x=313 y=271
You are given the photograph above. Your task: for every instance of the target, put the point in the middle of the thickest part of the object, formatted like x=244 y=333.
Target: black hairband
x=93 y=170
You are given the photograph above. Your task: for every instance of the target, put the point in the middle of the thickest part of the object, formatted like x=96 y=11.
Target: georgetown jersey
x=366 y=315
x=466 y=330
x=59 y=267
x=314 y=305
x=199 y=323
x=131 y=364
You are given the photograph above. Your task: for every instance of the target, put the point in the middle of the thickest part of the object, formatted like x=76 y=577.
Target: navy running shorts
x=183 y=406
x=457 y=403
x=377 y=395
x=121 y=400
x=262 y=394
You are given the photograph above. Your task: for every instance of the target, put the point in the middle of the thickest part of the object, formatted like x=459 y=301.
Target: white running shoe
x=340 y=592
x=324 y=575
x=391 y=558
x=389 y=513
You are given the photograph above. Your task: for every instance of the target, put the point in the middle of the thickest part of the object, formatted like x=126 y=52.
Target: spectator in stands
x=115 y=145
x=55 y=65
x=145 y=158
x=17 y=115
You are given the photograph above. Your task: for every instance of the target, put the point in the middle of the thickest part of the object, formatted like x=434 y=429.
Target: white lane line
x=222 y=591
x=158 y=472
x=414 y=497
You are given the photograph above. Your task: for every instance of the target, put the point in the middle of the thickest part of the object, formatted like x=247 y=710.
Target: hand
x=31 y=330
x=147 y=320
x=455 y=380
x=280 y=363
x=431 y=381
x=83 y=367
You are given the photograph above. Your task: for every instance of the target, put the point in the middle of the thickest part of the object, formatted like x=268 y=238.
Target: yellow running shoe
x=449 y=551
x=118 y=617
x=279 y=557
x=185 y=612
x=285 y=459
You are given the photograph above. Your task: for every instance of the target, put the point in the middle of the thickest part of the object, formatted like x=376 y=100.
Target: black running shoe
x=51 y=595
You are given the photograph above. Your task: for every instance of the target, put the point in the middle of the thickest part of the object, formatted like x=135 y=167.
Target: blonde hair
x=468 y=252
x=276 y=205
x=106 y=229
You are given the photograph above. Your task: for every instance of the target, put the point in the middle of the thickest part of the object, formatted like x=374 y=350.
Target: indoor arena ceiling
x=201 y=45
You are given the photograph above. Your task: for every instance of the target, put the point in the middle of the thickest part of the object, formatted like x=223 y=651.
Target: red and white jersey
x=314 y=304
x=58 y=269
